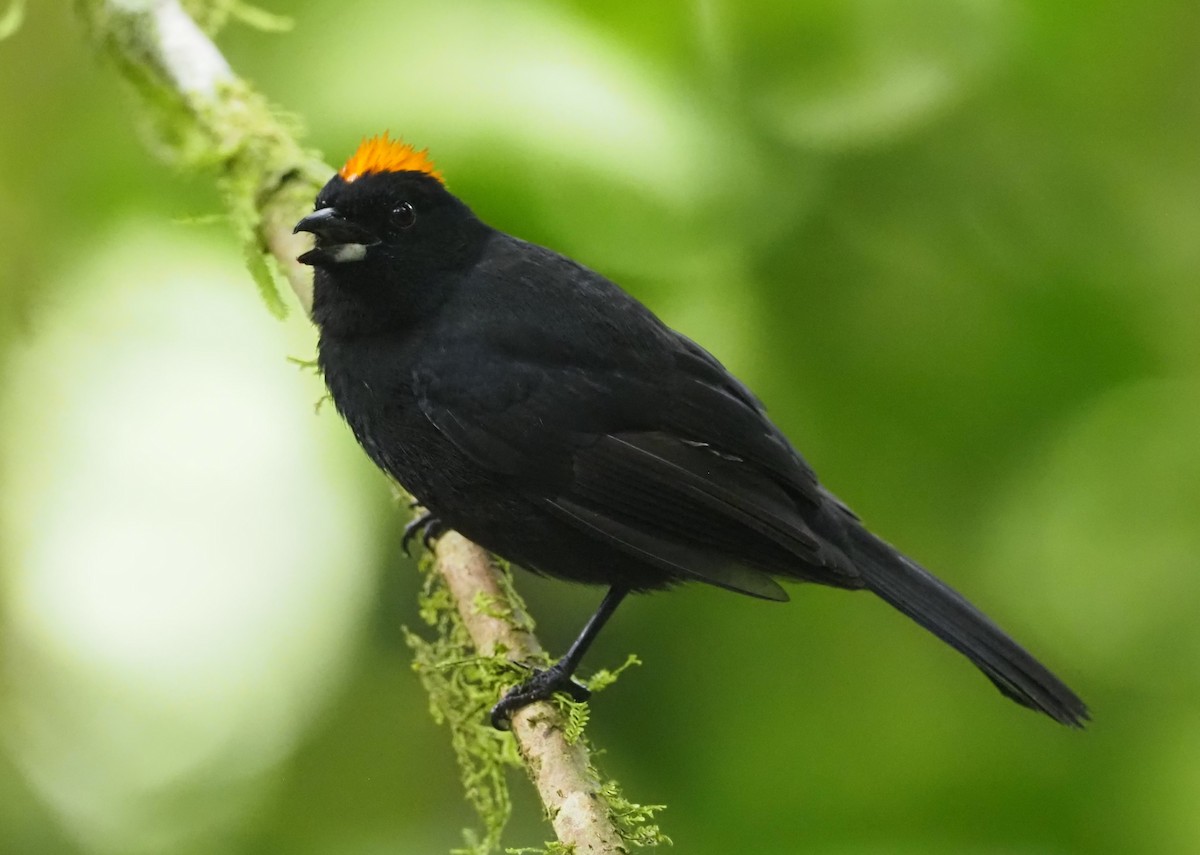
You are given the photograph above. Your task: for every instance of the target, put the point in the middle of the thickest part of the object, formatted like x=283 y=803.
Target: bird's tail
x=916 y=592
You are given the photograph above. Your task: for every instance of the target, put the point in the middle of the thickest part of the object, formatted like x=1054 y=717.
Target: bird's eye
x=404 y=215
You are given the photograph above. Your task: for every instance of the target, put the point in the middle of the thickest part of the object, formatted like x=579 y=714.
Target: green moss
x=262 y=162
x=235 y=132
x=605 y=677
x=634 y=821
x=215 y=15
x=578 y=715
x=264 y=274
x=462 y=687
x=310 y=365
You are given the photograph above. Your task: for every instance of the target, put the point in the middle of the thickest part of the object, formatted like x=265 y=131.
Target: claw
x=429 y=527
x=431 y=531
x=543 y=685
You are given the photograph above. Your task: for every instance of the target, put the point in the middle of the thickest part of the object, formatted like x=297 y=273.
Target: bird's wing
x=668 y=468
x=655 y=492
x=709 y=404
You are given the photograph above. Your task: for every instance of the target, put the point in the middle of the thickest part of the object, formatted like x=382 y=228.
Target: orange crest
x=380 y=154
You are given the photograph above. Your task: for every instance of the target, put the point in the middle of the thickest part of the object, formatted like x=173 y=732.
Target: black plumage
x=544 y=413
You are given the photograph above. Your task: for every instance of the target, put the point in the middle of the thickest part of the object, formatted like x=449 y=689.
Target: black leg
x=557 y=678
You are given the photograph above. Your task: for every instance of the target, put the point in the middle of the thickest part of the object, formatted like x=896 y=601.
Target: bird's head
x=386 y=223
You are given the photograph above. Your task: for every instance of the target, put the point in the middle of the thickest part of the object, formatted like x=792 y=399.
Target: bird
x=544 y=413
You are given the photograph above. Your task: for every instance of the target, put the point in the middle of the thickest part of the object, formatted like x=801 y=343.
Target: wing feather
x=667 y=554
x=703 y=500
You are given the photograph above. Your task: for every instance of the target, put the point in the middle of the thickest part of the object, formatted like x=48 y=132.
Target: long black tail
x=943 y=611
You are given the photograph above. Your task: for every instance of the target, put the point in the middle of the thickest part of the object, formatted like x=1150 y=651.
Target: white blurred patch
x=348 y=252
x=183 y=560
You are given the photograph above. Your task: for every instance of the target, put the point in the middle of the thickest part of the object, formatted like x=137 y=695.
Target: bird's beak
x=338 y=239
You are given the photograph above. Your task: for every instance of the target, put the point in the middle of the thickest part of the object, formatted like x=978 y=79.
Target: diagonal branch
x=208 y=117
x=559 y=768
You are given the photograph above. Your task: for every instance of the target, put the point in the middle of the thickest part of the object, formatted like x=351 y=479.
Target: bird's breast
x=372 y=388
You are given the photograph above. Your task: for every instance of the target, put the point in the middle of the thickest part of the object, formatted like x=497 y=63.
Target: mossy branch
x=205 y=117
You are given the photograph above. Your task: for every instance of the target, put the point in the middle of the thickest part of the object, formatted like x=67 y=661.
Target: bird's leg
x=557 y=678
x=429 y=527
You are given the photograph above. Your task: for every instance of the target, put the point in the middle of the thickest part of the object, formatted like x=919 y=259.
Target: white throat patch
x=347 y=252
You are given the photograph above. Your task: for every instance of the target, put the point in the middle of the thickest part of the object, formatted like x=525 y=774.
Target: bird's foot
x=427 y=525
x=541 y=686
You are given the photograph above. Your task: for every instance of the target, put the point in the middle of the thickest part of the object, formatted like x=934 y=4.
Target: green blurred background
x=953 y=244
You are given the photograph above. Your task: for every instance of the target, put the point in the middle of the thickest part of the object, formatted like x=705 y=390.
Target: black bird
x=535 y=407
